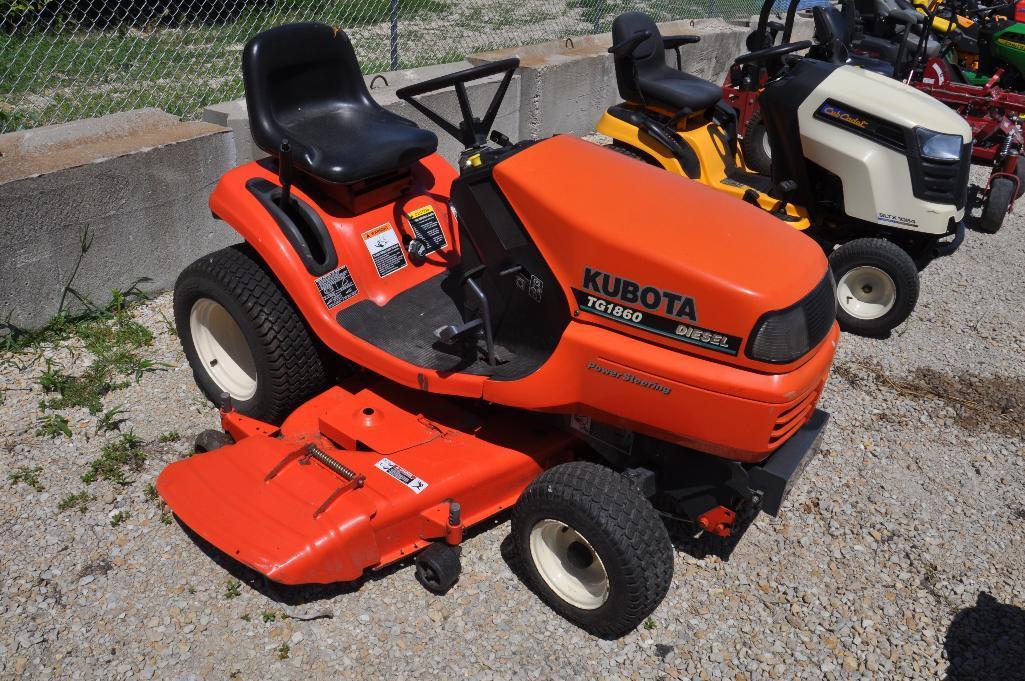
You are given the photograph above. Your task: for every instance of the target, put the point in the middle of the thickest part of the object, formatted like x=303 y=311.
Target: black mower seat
x=643 y=76
x=303 y=83
x=833 y=42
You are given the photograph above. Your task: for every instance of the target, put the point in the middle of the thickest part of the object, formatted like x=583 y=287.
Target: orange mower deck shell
x=734 y=261
x=272 y=525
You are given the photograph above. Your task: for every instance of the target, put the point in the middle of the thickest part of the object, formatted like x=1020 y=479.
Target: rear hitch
x=718 y=521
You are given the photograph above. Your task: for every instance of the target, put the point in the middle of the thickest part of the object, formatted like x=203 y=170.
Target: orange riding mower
x=402 y=350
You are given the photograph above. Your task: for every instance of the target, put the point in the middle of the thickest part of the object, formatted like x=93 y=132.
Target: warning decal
x=402 y=475
x=337 y=287
x=427 y=228
x=385 y=249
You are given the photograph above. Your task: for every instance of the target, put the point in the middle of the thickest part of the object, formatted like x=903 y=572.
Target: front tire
x=244 y=337
x=593 y=547
x=998 y=203
x=876 y=286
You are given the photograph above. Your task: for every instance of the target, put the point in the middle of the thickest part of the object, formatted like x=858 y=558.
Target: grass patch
x=53 y=426
x=28 y=475
x=283 y=651
x=116 y=459
x=113 y=338
x=78 y=502
x=170 y=436
x=177 y=62
x=268 y=616
x=119 y=518
x=232 y=589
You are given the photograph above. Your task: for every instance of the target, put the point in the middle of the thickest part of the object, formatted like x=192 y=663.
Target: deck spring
x=321 y=456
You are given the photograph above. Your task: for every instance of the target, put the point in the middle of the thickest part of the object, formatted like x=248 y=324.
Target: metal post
x=394 y=11
x=597 y=16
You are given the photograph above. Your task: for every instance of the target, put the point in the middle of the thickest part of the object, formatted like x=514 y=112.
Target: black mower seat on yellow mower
x=643 y=74
x=304 y=85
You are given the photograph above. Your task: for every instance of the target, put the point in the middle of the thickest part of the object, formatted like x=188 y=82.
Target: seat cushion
x=677 y=90
x=355 y=142
x=303 y=83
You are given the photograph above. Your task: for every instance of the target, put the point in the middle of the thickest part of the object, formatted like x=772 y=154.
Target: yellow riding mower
x=875 y=171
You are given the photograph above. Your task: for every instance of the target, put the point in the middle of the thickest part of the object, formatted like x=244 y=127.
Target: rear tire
x=593 y=547
x=998 y=201
x=1019 y=171
x=755 y=146
x=243 y=336
x=876 y=286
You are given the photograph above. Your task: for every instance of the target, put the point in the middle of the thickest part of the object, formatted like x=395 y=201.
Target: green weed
x=268 y=616
x=123 y=453
x=28 y=475
x=79 y=502
x=650 y=624
x=52 y=426
x=233 y=589
x=171 y=436
x=283 y=650
x=111 y=419
x=119 y=518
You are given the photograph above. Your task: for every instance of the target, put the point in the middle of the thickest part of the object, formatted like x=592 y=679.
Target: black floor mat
x=405 y=327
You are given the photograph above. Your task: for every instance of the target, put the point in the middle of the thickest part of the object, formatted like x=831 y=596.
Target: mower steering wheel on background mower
x=471 y=131
x=772 y=52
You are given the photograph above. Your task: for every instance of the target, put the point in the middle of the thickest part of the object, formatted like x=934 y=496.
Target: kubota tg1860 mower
x=554 y=329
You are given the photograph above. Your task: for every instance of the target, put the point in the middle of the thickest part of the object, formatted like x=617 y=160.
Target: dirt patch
x=979 y=403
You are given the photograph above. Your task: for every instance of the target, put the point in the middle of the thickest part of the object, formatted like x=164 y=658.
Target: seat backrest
x=831 y=34
x=294 y=71
x=649 y=56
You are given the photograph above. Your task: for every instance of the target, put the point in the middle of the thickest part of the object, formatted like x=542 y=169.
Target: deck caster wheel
x=876 y=286
x=210 y=440
x=755 y=146
x=593 y=547
x=997 y=205
x=437 y=568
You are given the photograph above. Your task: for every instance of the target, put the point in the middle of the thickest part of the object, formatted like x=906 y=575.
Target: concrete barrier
x=132 y=186
x=234 y=115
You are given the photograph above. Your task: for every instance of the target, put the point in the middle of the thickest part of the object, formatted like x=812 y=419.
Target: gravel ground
x=899 y=555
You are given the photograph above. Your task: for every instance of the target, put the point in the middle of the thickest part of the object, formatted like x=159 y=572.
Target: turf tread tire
x=289 y=360
x=620 y=524
x=751 y=145
x=893 y=260
x=994 y=210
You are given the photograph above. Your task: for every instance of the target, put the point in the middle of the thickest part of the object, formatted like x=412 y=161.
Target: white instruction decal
x=402 y=475
x=385 y=249
x=337 y=287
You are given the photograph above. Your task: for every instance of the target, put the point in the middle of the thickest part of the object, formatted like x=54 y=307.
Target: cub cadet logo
x=839 y=114
x=632 y=293
x=702 y=336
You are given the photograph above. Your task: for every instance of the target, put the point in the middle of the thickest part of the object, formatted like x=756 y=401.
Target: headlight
x=785 y=335
x=938 y=146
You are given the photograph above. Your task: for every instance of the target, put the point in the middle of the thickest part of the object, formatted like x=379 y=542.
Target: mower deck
x=356 y=478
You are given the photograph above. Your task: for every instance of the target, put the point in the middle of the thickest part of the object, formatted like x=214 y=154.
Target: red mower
x=402 y=350
x=994 y=114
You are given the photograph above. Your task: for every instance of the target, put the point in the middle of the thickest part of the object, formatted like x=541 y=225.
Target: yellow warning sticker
x=427 y=228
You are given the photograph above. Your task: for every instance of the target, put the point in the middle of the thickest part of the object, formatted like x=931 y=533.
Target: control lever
x=285 y=174
x=780 y=192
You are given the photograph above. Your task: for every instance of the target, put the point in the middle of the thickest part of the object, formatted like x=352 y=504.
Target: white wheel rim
x=765 y=143
x=222 y=349
x=866 y=292
x=568 y=564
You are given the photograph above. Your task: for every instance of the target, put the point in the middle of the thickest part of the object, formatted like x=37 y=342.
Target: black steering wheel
x=772 y=52
x=471 y=131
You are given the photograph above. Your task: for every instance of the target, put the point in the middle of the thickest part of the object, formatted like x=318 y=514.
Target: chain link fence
x=62 y=60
